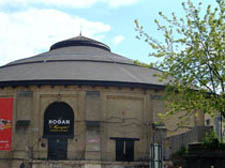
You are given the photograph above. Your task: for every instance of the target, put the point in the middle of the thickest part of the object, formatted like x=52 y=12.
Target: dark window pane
x=129 y=151
x=124 y=150
x=119 y=150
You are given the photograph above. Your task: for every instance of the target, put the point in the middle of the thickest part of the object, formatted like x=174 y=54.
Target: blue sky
x=29 y=27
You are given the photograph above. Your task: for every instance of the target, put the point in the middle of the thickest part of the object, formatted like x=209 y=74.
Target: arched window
x=59 y=121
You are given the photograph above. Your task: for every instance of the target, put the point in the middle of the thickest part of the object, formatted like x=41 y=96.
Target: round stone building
x=77 y=105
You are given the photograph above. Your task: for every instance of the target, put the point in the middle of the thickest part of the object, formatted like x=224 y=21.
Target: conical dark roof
x=79 y=48
x=79 y=41
x=78 y=60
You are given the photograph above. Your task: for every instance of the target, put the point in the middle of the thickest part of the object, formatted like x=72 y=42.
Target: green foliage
x=210 y=137
x=193 y=53
x=151 y=65
x=211 y=142
x=182 y=151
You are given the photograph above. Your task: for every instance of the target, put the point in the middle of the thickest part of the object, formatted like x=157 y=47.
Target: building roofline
x=80 y=83
x=65 y=60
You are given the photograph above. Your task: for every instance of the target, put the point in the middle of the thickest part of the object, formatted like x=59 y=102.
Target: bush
x=211 y=142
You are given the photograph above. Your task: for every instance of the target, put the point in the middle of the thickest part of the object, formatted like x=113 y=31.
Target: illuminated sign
x=58 y=125
x=59 y=120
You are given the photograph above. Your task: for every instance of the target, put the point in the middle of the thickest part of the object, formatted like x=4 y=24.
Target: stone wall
x=100 y=113
x=119 y=112
x=174 y=143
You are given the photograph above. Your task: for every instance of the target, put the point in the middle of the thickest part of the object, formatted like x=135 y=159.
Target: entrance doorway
x=124 y=148
x=58 y=127
x=57 y=149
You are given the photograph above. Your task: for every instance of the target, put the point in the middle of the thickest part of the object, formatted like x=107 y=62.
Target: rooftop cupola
x=79 y=41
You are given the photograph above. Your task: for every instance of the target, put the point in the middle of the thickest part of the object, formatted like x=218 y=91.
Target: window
x=207 y=122
x=124 y=148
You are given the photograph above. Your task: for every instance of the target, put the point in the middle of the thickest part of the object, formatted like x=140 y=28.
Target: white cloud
x=24 y=34
x=118 y=39
x=118 y=3
x=69 y=3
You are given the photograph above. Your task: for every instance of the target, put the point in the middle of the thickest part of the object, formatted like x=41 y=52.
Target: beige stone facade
x=121 y=112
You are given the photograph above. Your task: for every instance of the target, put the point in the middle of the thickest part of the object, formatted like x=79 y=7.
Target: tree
x=193 y=54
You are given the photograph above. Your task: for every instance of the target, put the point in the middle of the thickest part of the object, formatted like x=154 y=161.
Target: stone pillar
x=93 y=117
x=159 y=137
x=22 y=138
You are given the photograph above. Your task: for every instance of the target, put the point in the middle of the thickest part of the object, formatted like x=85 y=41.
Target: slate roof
x=78 y=60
